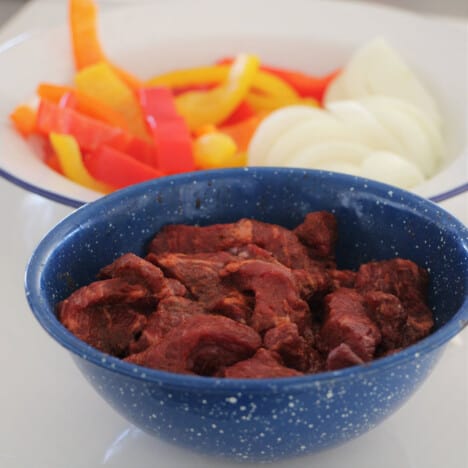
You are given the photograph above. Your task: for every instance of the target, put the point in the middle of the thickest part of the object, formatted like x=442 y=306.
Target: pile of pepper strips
x=110 y=129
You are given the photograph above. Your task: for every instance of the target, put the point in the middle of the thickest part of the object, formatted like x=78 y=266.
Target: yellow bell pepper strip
x=263 y=82
x=213 y=106
x=304 y=84
x=84 y=104
x=260 y=102
x=170 y=132
x=101 y=83
x=89 y=133
x=86 y=46
x=71 y=163
x=217 y=150
x=24 y=120
x=118 y=169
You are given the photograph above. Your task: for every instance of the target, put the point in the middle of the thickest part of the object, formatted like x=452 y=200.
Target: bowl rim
x=46 y=317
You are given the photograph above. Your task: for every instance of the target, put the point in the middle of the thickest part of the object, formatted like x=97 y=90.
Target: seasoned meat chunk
x=200 y=274
x=107 y=314
x=319 y=232
x=342 y=278
x=171 y=312
x=342 y=356
x=263 y=365
x=289 y=344
x=398 y=276
x=281 y=242
x=409 y=282
x=312 y=283
x=388 y=313
x=202 y=344
x=275 y=289
x=136 y=270
x=346 y=321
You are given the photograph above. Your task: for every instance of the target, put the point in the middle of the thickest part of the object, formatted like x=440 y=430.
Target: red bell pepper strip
x=242 y=112
x=169 y=130
x=84 y=104
x=118 y=169
x=89 y=133
x=304 y=84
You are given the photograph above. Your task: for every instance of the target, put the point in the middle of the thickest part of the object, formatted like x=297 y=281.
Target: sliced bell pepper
x=118 y=169
x=170 y=132
x=203 y=107
x=242 y=132
x=87 y=48
x=306 y=85
x=70 y=160
x=24 y=120
x=89 y=133
x=101 y=83
x=261 y=102
x=215 y=150
x=206 y=77
x=242 y=112
x=84 y=104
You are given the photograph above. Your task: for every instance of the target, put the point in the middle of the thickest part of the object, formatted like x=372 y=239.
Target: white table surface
x=51 y=418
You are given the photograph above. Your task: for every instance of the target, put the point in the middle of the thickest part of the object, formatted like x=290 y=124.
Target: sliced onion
x=271 y=129
x=330 y=155
x=391 y=169
x=361 y=121
x=416 y=144
x=306 y=134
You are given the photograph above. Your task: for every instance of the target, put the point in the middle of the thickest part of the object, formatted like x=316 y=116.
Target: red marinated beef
x=389 y=315
x=200 y=274
x=171 y=312
x=107 y=314
x=263 y=365
x=136 y=270
x=409 y=283
x=342 y=356
x=289 y=344
x=250 y=300
x=202 y=344
x=319 y=232
x=283 y=244
x=275 y=290
x=346 y=321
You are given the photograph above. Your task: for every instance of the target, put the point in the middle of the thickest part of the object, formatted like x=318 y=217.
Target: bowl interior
x=375 y=222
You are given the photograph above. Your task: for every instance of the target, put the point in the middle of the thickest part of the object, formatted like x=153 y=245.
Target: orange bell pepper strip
x=86 y=46
x=242 y=132
x=118 y=169
x=69 y=156
x=84 y=104
x=24 y=120
x=100 y=82
x=213 y=106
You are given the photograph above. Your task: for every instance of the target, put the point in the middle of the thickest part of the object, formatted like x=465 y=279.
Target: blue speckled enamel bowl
x=266 y=419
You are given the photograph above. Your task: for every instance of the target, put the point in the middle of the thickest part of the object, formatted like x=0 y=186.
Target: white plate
x=311 y=36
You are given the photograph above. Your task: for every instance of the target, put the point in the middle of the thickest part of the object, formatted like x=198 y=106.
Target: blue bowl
x=269 y=419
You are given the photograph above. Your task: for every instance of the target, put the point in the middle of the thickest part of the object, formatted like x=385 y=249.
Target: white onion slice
x=391 y=169
x=272 y=127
